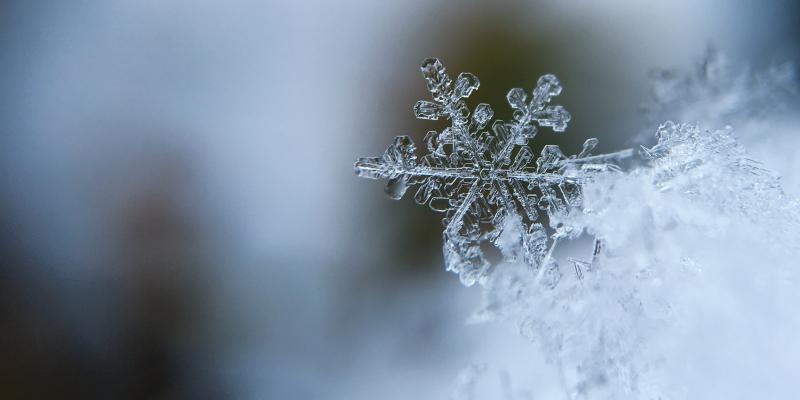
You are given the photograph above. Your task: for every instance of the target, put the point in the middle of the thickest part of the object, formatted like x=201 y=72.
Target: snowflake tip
x=436 y=78
x=465 y=85
x=547 y=87
x=517 y=98
x=483 y=114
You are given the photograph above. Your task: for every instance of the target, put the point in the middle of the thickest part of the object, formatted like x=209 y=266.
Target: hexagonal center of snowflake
x=485 y=174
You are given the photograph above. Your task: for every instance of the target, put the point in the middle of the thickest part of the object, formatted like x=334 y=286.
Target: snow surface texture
x=688 y=290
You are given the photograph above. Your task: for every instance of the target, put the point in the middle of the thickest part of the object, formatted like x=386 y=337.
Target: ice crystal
x=488 y=181
x=698 y=235
x=715 y=93
x=666 y=225
x=700 y=163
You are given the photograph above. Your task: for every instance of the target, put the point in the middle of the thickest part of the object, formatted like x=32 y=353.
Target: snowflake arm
x=488 y=183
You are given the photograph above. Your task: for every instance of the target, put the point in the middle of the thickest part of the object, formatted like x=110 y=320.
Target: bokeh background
x=180 y=217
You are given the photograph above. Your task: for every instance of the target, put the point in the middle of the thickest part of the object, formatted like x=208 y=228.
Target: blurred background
x=180 y=217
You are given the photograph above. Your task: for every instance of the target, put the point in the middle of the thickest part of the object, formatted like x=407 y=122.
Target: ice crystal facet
x=697 y=238
x=668 y=228
x=488 y=181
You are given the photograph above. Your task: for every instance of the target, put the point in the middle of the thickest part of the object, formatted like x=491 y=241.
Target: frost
x=488 y=181
x=696 y=242
x=761 y=103
x=665 y=226
x=713 y=168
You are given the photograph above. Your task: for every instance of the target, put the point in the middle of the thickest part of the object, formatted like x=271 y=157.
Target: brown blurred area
x=155 y=287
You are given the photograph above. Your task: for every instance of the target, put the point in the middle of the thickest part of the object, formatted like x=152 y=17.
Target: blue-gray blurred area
x=180 y=217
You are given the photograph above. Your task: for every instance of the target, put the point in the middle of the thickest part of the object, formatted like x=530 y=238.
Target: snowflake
x=488 y=182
